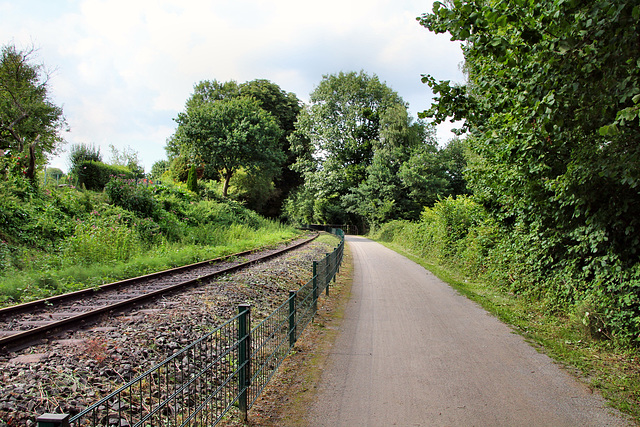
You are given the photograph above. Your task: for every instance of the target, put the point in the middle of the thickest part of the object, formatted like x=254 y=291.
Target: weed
x=96 y=349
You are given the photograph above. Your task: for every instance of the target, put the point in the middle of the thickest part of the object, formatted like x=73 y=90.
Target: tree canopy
x=354 y=142
x=30 y=123
x=552 y=86
x=230 y=134
x=551 y=106
x=275 y=183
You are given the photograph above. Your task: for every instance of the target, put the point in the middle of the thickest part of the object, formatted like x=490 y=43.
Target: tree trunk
x=31 y=168
x=225 y=186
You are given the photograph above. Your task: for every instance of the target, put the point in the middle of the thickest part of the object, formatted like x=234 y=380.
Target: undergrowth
x=59 y=239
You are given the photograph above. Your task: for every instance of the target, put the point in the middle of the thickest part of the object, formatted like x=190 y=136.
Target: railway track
x=24 y=324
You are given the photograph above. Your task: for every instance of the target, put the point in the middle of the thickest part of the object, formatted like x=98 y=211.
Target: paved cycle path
x=413 y=352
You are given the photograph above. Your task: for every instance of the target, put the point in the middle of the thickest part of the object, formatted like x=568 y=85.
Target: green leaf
x=608 y=130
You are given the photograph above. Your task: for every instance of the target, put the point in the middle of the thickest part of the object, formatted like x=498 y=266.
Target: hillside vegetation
x=57 y=239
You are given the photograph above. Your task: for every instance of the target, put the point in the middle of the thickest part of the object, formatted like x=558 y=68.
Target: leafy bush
x=192 y=180
x=34 y=217
x=459 y=234
x=79 y=153
x=179 y=169
x=227 y=213
x=95 y=175
x=127 y=194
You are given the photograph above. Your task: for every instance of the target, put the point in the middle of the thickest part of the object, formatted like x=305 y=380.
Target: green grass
x=55 y=240
x=613 y=370
x=66 y=276
x=329 y=239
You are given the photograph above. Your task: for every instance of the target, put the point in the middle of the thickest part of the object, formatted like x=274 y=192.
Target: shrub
x=95 y=175
x=79 y=153
x=227 y=213
x=192 y=180
x=603 y=295
x=127 y=194
x=179 y=169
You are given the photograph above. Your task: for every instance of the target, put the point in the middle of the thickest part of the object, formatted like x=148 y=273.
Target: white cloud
x=126 y=67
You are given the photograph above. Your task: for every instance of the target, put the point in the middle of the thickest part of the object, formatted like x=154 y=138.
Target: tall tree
x=344 y=121
x=30 y=123
x=342 y=127
x=230 y=134
x=552 y=105
x=552 y=102
x=385 y=194
x=127 y=157
x=284 y=107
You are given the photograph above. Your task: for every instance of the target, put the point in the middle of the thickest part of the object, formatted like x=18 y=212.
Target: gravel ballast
x=71 y=371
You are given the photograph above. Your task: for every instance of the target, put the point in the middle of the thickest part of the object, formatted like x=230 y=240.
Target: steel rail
x=47 y=302
x=31 y=335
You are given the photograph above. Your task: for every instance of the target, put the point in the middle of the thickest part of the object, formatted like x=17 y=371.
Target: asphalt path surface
x=413 y=352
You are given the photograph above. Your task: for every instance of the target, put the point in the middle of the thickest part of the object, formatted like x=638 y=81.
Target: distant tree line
x=364 y=160
x=353 y=156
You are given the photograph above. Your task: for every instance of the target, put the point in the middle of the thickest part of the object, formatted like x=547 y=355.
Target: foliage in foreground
x=56 y=239
x=551 y=105
x=459 y=233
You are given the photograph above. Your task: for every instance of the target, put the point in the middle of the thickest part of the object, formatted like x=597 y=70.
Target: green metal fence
x=228 y=367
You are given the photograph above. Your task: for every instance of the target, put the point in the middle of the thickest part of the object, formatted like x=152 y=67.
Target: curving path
x=413 y=352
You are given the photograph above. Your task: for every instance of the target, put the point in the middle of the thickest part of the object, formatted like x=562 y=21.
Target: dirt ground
x=286 y=399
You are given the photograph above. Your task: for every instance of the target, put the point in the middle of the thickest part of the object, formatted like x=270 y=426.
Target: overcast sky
x=123 y=69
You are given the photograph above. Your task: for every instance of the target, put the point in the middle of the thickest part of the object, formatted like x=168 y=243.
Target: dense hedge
x=458 y=233
x=95 y=175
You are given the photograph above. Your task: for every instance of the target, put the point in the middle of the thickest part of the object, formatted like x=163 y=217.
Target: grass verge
x=35 y=284
x=614 y=371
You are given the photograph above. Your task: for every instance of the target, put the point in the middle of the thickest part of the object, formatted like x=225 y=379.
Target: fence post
x=315 y=287
x=53 y=420
x=244 y=357
x=292 y=318
x=327 y=270
x=336 y=262
x=327 y=277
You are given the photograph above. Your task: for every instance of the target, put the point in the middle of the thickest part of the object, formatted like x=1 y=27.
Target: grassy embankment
x=55 y=240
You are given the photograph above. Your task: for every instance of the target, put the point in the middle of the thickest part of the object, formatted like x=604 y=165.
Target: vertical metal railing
x=228 y=367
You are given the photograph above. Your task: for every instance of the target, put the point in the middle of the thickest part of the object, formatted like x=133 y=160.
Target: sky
x=122 y=70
